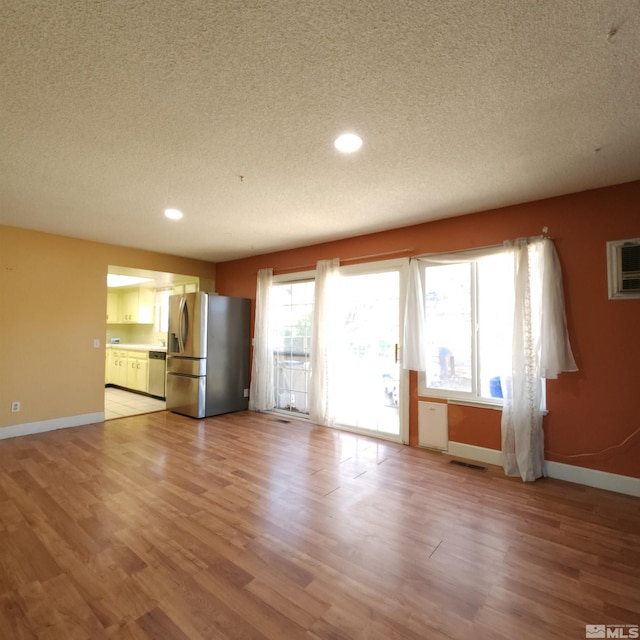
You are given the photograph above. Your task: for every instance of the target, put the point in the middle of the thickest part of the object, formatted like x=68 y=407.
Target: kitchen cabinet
x=113 y=300
x=119 y=367
x=128 y=306
x=189 y=287
x=133 y=306
x=138 y=371
x=127 y=369
x=146 y=306
x=137 y=306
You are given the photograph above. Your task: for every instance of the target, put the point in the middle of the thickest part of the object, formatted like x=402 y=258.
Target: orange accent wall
x=590 y=411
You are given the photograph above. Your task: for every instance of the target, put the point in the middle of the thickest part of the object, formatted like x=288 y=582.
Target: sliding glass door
x=367 y=386
x=370 y=381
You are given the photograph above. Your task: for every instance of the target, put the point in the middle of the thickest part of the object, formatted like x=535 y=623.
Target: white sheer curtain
x=540 y=345
x=414 y=351
x=322 y=353
x=540 y=348
x=261 y=390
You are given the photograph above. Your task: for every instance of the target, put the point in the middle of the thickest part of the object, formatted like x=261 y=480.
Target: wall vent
x=623 y=263
x=475 y=467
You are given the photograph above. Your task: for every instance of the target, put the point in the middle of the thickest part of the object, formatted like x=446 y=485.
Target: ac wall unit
x=623 y=261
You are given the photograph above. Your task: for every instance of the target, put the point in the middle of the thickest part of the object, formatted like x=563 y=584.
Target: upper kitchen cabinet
x=188 y=287
x=130 y=306
x=113 y=307
x=136 y=296
x=138 y=306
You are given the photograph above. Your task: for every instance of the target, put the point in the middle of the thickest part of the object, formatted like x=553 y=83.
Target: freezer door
x=187 y=366
x=188 y=315
x=186 y=395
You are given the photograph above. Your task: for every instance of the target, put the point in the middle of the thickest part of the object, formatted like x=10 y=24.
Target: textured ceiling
x=112 y=111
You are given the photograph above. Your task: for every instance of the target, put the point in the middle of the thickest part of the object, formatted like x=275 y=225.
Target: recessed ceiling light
x=173 y=214
x=348 y=142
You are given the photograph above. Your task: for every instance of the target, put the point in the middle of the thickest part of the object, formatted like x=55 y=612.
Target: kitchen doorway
x=136 y=334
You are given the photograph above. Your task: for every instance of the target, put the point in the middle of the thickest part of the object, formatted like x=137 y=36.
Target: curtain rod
x=307 y=267
x=488 y=247
x=397 y=252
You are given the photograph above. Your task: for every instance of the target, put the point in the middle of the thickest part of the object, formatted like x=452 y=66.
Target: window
x=468 y=321
x=292 y=307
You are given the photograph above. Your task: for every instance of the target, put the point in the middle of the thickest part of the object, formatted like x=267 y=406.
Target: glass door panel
x=367 y=388
x=292 y=313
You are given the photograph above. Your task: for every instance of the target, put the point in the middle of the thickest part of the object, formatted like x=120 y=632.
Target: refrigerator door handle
x=183 y=323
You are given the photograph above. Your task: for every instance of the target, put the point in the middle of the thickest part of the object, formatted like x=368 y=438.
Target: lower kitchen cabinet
x=138 y=371
x=127 y=369
x=119 y=365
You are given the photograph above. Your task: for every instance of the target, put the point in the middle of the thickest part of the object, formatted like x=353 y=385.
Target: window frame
x=401 y=265
x=472 y=256
x=453 y=396
x=280 y=280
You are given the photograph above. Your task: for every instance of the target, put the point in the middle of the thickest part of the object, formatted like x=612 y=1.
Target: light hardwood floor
x=242 y=526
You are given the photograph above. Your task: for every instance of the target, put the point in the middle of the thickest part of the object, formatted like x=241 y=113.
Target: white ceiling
x=112 y=111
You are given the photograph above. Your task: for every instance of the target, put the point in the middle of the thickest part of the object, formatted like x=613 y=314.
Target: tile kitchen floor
x=119 y=403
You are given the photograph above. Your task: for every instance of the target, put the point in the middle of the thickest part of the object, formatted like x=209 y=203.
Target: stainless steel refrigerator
x=208 y=354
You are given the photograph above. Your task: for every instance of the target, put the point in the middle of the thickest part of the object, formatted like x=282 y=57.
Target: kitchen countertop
x=136 y=347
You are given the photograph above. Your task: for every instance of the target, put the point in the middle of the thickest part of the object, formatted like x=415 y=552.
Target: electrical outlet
x=96 y=343
x=15 y=407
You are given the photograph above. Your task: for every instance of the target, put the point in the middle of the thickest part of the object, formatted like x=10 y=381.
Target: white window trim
x=290 y=278
x=463 y=398
x=456 y=397
x=473 y=397
x=284 y=279
x=393 y=264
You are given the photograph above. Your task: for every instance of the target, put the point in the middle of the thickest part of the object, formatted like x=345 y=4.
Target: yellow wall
x=52 y=307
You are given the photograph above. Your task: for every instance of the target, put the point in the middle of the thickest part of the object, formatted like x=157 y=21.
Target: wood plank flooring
x=159 y=526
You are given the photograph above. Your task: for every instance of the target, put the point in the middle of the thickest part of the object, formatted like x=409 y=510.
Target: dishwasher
x=157 y=374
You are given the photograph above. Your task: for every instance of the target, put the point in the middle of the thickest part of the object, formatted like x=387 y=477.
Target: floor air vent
x=475 y=467
x=282 y=420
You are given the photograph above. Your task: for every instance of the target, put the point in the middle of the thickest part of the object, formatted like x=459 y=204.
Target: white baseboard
x=29 y=428
x=594 y=478
x=557 y=470
x=470 y=451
